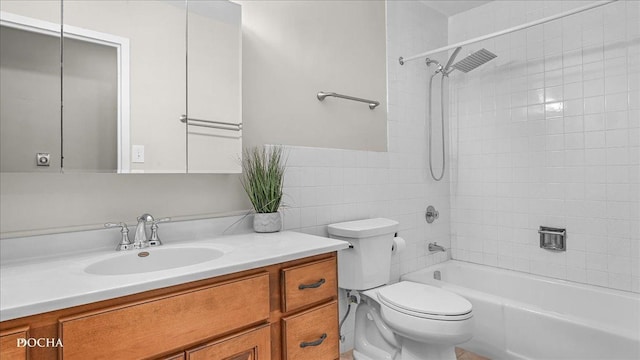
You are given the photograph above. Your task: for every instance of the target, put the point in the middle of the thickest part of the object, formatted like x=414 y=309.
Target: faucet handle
x=120 y=224
x=124 y=244
x=155 y=240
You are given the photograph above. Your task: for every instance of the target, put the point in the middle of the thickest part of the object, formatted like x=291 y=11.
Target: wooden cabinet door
x=160 y=325
x=253 y=344
x=9 y=349
x=312 y=334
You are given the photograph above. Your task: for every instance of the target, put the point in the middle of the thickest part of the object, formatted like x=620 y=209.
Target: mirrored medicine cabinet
x=142 y=86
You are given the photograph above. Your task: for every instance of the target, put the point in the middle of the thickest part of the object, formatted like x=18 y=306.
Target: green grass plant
x=262 y=177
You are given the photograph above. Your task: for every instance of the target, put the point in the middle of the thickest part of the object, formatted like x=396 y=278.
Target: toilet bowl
x=422 y=322
x=401 y=321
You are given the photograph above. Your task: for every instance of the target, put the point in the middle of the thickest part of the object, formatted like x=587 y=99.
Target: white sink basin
x=152 y=259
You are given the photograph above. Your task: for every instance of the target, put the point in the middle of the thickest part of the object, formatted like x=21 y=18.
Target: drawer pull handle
x=314 y=343
x=311 y=286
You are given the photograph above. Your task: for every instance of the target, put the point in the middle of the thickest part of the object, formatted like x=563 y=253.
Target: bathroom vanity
x=258 y=304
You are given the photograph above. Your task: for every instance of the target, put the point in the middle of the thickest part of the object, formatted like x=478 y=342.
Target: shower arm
x=430 y=62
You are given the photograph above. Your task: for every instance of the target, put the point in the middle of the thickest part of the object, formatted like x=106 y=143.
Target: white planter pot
x=267 y=222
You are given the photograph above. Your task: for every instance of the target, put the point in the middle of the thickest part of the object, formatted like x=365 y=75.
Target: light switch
x=137 y=153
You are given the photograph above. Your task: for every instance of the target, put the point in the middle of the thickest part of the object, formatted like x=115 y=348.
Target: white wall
x=548 y=134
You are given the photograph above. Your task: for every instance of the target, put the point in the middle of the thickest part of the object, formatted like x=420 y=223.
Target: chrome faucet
x=141 y=240
x=435 y=247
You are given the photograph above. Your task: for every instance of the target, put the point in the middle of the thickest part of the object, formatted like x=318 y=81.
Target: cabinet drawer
x=312 y=334
x=9 y=349
x=166 y=323
x=308 y=284
x=251 y=345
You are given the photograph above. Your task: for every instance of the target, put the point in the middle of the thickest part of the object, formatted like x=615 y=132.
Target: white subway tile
x=553 y=77
x=574 y=141
x=593 y=87
x=573 y=107
x=572 y=74
x=616 y=84
x=290 y=218
x=618 y=192
x=577 y=167
x=599 y=278
x=593 y=70
x=593 y=122
x=617 y=138
x=594 y=139
x=617 y=120
x=616 y=102
x=621 y=282
x=594 y=105
x=615 y=61
x=573 y=91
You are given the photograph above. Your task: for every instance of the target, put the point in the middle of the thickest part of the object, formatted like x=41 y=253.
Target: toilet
x=401 y=321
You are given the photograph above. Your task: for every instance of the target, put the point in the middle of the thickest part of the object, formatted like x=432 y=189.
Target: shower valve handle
x=431 y=214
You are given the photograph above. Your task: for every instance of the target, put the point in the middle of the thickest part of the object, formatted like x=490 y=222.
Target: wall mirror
x=133 y=86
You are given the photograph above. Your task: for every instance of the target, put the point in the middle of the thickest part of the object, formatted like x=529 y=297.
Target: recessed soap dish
x=553 y=238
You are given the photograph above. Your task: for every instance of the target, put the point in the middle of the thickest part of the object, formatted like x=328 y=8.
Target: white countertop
x=37 y=287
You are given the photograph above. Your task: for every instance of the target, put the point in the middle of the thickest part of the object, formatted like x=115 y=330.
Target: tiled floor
x=461 y=354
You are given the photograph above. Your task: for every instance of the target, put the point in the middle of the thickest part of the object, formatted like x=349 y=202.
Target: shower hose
x=430 y=118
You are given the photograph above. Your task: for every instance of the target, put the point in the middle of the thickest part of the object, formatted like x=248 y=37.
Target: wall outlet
x=137 y=153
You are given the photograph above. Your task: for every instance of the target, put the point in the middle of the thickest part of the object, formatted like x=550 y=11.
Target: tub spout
x=435 y=247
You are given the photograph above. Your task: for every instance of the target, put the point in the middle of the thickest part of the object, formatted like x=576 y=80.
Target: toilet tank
x=368 y=263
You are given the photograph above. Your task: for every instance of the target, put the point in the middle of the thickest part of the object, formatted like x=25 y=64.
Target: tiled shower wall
x=548 y=134
x=325 y=186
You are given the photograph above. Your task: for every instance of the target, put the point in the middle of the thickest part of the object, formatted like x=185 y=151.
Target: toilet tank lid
x=363 y=228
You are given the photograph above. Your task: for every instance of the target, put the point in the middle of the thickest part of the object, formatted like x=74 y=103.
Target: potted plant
x=262 y=178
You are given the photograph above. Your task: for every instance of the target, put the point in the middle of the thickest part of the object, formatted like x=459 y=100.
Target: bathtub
x=524 y=316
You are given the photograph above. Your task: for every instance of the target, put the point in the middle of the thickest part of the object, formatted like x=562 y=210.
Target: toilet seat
x=424 y=301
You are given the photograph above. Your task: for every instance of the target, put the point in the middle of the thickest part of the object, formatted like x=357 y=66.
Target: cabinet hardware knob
x=314 y=343
x=312 y=286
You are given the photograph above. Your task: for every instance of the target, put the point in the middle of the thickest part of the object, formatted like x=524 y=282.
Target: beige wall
x=292 y=50
x=306 y=47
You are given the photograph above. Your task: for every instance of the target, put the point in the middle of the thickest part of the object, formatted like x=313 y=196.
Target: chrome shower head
x=474 y=60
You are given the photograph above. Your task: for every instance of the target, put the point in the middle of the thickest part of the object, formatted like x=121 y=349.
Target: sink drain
x=143 y=254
